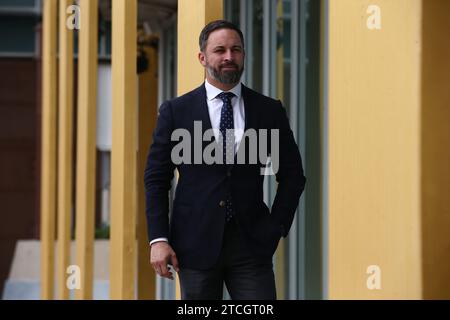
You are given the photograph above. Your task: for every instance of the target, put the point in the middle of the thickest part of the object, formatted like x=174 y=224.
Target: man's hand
x=161 y=255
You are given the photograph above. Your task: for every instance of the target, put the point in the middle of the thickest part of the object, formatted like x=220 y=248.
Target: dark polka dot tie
x=227 y=138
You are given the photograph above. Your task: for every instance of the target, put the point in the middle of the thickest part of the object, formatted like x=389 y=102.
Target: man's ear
x=202 y=58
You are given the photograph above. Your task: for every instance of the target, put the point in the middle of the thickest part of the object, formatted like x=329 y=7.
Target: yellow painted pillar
x=48 y=161
x=374 y=149
x=86 y=145
x=65 y=145
x=148 y=113
x=123 y=153
x=193 y=15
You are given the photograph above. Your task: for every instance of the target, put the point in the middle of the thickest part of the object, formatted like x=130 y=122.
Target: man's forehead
x=224 y=36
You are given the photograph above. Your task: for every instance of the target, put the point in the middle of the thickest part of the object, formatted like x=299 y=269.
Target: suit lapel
x=251 y=119
x=201 y=108
x=251 y=114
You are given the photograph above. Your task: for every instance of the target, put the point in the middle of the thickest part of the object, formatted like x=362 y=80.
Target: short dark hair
x=217 y=25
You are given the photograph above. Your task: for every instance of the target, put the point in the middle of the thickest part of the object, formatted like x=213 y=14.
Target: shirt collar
x=212 y=92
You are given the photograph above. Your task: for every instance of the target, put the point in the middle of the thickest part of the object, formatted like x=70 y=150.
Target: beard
x=228 y=76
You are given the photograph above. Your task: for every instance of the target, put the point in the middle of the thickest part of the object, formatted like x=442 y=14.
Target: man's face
x=224 y=56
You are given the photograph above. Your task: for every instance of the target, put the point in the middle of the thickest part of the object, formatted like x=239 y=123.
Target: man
x=220 y=230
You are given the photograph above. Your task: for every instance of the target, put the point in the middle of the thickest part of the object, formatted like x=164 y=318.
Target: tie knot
x=226 y=96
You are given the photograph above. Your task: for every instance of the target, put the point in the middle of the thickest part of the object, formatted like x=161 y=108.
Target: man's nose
x=228 y=56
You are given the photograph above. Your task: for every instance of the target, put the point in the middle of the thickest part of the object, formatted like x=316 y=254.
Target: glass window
x=17 y=34
x=257 y=39
x=17 y=3
x=284 y=53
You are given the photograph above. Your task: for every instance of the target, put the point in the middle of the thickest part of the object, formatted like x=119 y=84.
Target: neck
x=220 y=85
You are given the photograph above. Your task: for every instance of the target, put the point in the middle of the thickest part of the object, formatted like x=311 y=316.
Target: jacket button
x=222 y=203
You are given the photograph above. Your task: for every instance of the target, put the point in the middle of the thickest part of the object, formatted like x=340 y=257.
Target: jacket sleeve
x=158 y=175
x=290 y=177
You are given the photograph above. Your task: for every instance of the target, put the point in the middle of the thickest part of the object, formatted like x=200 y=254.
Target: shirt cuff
x=159 y=240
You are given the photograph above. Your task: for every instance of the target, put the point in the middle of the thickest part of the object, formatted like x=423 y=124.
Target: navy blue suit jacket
x=195 y=227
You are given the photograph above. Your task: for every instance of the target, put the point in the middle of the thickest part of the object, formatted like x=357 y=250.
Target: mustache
x=230 y=64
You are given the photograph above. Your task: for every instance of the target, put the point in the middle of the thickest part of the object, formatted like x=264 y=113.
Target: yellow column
x=148 y=112
x=193 y=15
x=86 y=145
x=123 y=162
x=374 y=149
x=64 y=147
x=48 y=166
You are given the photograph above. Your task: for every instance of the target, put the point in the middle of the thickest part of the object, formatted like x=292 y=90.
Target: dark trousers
x=245 y=277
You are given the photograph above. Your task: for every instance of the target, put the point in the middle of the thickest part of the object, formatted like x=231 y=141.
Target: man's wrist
x=158 y=240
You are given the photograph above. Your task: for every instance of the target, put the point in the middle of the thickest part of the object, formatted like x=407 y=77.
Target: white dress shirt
x=214 y=109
